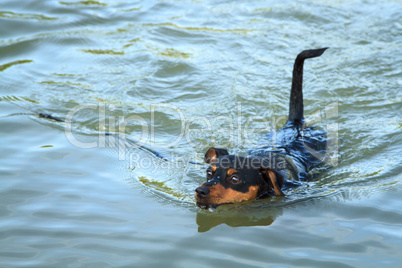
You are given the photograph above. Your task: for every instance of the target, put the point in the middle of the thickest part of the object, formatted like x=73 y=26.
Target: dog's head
x=234 y=179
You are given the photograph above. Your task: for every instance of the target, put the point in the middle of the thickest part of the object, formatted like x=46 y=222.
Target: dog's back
x=294 y=152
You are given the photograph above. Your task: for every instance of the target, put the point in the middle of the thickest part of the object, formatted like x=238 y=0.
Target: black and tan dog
x=290 y=156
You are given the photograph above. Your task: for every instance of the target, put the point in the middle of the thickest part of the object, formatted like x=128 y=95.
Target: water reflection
x=254 y=214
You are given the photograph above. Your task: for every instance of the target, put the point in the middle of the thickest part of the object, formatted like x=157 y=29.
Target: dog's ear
x=274 y=180
x=213 y=153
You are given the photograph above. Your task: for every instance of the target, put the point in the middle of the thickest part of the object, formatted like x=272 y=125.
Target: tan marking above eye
x=231 y=171
x=213 y=168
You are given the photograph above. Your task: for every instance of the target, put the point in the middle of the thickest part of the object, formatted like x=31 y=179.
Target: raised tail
x=296 y=96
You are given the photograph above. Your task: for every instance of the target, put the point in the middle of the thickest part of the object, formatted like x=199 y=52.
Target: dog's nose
x=202 y=192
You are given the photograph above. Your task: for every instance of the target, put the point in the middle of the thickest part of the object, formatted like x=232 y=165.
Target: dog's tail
x=296 y=96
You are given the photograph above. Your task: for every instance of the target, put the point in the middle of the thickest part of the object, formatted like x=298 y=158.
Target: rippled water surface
x=179 y=77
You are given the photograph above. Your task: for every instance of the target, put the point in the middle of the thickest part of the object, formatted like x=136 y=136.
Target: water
x=179 y=77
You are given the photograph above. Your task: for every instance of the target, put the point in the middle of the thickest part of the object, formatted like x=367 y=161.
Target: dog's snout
x=202 y=191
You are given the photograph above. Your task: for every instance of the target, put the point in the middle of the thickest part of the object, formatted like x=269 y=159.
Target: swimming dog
x=264 y=171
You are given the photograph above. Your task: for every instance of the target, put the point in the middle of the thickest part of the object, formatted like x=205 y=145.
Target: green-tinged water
x=180 y=77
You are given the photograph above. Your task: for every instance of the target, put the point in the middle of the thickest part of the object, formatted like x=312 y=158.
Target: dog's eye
x=235 y=180
x=209 y=173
